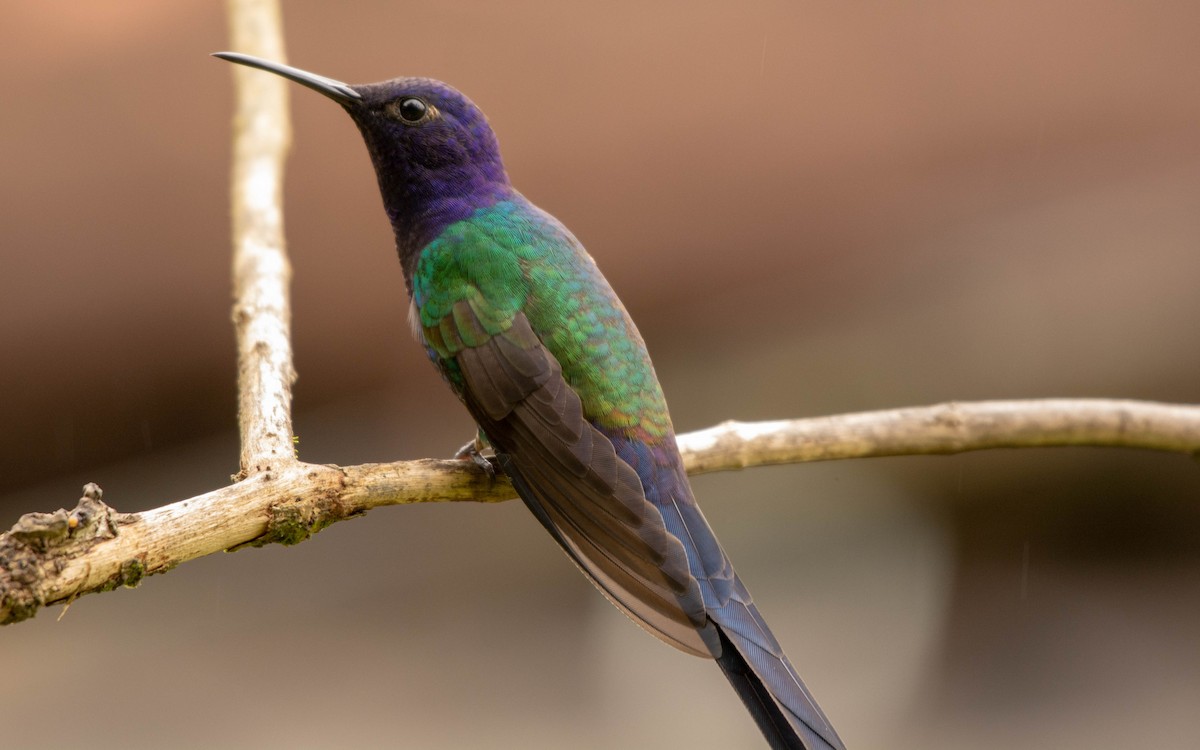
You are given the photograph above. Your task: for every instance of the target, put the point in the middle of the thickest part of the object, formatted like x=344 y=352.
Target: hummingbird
x=515 y=314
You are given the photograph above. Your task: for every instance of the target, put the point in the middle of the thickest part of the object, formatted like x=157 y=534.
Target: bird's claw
x=472 y=452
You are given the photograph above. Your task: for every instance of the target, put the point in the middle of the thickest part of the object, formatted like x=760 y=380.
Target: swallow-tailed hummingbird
x=519 y=320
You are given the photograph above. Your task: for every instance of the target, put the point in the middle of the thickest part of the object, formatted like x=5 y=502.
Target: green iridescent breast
x=513 y=258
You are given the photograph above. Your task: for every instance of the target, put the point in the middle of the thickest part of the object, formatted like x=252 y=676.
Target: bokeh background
x=810 y=208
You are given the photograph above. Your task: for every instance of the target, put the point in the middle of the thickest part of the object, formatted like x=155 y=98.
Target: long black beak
x=335 y=90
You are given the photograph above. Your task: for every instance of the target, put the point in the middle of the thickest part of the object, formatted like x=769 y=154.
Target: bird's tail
x=768 y=685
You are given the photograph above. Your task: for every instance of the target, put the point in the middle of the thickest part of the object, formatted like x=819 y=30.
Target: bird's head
x=436 y=157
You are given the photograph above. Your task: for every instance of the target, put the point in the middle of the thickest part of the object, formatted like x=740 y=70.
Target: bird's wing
x=584 y=487
x=570 y=476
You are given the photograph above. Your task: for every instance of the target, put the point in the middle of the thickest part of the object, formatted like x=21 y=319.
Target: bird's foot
x=473 y=452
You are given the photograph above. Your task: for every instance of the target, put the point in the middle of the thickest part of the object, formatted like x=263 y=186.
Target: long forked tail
x=768 y=685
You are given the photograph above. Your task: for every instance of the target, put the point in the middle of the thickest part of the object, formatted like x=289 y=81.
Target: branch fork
x=48 y=558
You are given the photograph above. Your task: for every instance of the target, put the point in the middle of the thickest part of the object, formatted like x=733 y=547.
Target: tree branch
x=952 y=427
x=54 y=557
x=261 y=272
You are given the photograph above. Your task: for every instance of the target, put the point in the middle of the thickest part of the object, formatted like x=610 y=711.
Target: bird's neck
x=421 y=209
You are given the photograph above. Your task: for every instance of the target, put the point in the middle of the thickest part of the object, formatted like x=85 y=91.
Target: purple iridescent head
x=434 y=153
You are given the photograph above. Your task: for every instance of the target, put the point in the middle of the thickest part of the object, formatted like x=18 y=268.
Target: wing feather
x=569 y=474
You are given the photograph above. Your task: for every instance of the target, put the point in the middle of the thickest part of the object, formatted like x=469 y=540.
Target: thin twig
x=261 y=272
x=946 y=428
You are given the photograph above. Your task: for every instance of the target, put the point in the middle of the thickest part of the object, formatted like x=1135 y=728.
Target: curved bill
x=335 y=90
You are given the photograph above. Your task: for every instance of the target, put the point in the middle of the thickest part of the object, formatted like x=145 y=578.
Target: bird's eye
x=411 y=109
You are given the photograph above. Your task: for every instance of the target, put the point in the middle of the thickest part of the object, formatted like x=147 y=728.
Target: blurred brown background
x=810 y=208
